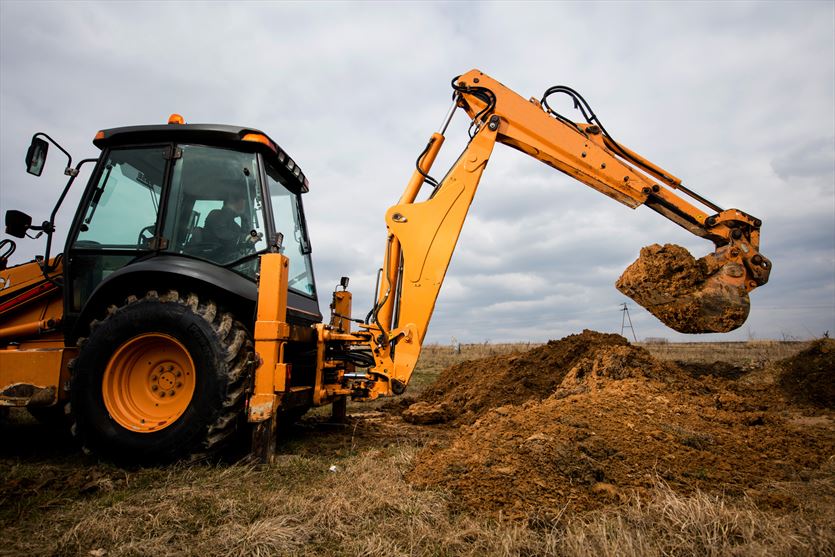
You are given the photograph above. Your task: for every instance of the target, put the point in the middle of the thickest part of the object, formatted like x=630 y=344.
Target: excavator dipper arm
x=422 y=235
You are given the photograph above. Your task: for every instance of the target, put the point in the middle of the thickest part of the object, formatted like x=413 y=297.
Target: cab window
x=122 y=212
x=289 y=220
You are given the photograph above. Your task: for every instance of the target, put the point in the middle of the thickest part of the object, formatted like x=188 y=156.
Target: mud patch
x=686 y=294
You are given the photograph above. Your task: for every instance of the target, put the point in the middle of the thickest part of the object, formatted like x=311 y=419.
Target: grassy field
x=340 y=490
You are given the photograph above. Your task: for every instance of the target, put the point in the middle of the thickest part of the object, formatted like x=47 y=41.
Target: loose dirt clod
x=595 y=420
x=684 y=293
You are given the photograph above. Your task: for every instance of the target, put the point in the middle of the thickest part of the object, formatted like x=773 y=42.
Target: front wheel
x=161 y=378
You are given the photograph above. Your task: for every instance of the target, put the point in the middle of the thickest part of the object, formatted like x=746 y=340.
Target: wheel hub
x=148 y=382
x=166 y=380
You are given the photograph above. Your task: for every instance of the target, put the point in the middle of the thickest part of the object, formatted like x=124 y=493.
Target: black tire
x=221 y=352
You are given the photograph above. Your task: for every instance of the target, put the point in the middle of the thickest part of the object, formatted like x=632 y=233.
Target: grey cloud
x=727 y=97
x=815 y=158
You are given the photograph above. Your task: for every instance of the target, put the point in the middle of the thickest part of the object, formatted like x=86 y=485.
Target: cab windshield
x=215 y=210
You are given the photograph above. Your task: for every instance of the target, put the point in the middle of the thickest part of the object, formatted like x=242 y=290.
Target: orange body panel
x=33 y=358
x=30 y=306
x=271 y=334
x=34 y=374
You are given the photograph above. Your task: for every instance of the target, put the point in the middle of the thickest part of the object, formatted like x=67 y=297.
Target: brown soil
x=465 y=391
x=589 y=420
x=684 y=293
x=809 y=377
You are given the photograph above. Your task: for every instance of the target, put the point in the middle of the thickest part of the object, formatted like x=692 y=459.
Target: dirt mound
x=465 y=391
x=809 y=377
x=684 y=293
x=615 y=423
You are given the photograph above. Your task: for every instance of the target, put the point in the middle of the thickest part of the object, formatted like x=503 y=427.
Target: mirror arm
x=49 y=226
x=69 y=171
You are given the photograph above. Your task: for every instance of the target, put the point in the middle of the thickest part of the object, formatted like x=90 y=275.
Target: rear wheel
x=161 y=378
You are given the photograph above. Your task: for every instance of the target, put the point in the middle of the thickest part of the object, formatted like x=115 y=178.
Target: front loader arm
x=422 y=236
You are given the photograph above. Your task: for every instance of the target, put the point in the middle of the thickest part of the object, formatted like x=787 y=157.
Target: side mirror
x=36 y=157
x=17 y=223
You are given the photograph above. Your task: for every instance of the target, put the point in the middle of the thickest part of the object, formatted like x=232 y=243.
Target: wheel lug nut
x=170 y=368
x=179 y=373
x=154 y=387
x=154 y=378
x=179 y=384
x=171 y=393
x=162 y=395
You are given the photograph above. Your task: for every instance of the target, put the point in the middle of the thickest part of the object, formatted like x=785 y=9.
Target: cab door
x=118 y=220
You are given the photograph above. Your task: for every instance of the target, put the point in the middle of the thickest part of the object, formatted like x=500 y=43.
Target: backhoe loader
x=183 y=310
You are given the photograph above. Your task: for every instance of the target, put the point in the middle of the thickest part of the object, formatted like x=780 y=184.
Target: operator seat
x=196 y=237
x=200 y=245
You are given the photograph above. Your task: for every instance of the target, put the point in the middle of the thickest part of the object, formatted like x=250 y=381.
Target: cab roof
x=221 y=135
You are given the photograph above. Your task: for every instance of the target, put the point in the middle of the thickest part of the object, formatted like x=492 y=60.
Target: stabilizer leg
x=264 y=438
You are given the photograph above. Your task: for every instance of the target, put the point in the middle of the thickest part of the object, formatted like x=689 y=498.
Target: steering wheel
x=145 y=236
x=246 y=244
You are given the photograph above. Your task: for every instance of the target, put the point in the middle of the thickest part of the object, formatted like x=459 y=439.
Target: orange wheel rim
x=148 y=383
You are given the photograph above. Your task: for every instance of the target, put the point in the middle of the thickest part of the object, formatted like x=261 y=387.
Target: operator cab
x=200 y=200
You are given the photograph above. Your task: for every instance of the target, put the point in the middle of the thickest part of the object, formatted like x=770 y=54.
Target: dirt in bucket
x=685 y=293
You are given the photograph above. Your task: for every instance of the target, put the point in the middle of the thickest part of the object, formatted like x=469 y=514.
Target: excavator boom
x=713 y=296
x=689 y=295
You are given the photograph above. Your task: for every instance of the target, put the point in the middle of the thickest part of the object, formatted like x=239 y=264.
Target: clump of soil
x=809 y=377
x=686 y=294
x=465 y=391
x=610 y=421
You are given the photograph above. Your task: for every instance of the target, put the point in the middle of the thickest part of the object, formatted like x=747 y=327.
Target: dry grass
x=59 y=502
x=747 y=355
x=744 y=354
x=298 y=507
x=701 y=524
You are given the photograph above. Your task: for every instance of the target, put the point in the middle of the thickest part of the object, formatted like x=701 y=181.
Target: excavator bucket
x=707 y=295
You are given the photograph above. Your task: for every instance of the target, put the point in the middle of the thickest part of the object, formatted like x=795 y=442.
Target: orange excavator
x=183 y=311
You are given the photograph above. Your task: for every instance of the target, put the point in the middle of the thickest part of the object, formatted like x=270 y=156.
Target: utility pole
x=625 y=311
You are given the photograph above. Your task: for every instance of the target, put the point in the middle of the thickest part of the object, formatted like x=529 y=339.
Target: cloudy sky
x=735 y=98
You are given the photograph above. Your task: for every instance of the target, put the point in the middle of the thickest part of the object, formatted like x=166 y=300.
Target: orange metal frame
x=33 y=358
x=422 y=236
x=271 y=335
